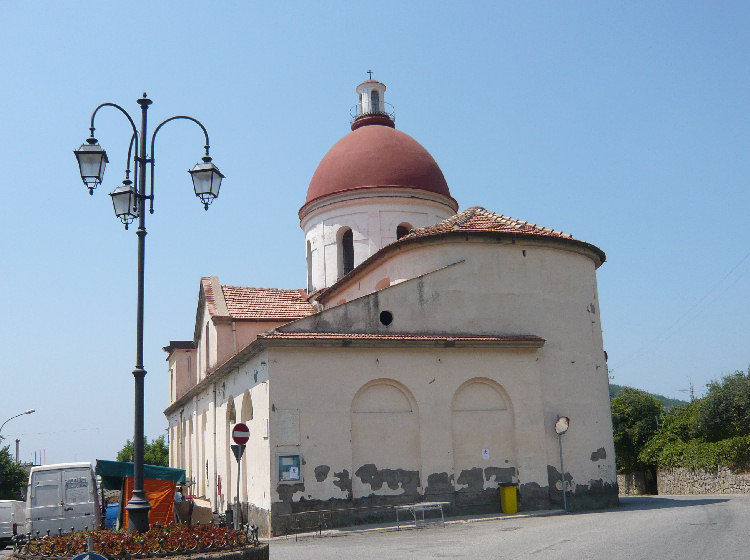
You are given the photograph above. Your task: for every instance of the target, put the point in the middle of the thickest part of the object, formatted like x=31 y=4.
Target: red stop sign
x=240 y=433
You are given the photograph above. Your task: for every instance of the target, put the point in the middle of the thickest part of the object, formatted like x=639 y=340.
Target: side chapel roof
x=474 y=220
x=477 y=218
x=254 y=304
x=266 y=303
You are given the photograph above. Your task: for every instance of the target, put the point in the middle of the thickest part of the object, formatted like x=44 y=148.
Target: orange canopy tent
x=158 y=482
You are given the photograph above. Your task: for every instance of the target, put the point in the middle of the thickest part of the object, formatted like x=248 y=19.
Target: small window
x=402 y=230
x=374 y=101
x=289 y=468
x=309 y=268
x=347 y=252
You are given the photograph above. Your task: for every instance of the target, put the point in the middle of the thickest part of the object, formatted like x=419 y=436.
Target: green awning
x=112 y=473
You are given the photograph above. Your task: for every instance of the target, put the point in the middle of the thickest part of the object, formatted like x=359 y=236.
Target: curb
x=343 y=532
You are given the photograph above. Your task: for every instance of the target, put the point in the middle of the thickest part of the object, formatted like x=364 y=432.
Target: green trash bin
x=508 y=499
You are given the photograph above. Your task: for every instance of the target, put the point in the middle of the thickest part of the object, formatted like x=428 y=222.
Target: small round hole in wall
x=386 y=317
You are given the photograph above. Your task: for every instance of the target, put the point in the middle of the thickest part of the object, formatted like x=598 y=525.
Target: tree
x=13 y=477
x=635 y=419
x=154 y=453
x=679 y=426
x=725 y=410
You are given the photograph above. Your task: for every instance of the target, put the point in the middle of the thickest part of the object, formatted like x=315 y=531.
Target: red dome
x=377 y=156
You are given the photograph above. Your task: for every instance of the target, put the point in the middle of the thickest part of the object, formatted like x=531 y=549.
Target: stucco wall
x=489 y=287
x=429 y=378
x=422 y=443
x=210 y=439
x=182 y=372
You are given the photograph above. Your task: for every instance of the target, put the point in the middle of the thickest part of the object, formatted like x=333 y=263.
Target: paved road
x=659 y=528
x=663 y=528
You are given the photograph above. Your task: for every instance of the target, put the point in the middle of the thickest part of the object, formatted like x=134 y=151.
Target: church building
x=429 y=358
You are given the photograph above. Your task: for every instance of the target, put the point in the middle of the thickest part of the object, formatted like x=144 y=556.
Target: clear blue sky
x=625 y=124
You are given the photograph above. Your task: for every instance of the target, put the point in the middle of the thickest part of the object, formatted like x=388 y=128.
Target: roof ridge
x=262 y=288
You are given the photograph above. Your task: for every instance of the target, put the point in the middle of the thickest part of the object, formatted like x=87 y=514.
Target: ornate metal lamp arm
x=133 y=138
x=153 y=156
x=116 y=106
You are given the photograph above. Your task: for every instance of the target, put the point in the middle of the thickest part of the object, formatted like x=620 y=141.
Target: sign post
x=240 y=435
x=561 y=426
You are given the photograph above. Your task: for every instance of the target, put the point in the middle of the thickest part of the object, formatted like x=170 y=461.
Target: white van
x=62 y=497
x=12 y=520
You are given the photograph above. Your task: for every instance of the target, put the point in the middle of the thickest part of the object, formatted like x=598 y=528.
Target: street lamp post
x=129 y=203
x=30 y=411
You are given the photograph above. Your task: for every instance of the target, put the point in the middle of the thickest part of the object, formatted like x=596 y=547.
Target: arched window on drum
x=403 y=229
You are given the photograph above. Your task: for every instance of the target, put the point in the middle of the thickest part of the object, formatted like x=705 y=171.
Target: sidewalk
x=408 y=524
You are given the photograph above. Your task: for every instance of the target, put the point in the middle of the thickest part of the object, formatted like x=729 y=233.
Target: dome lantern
x=371 y=107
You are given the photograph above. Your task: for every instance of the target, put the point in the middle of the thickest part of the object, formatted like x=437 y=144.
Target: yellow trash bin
x=508 y=502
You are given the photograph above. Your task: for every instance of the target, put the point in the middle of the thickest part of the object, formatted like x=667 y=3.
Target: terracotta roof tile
x=209 y=294
x=477 y=218
x=266 y=304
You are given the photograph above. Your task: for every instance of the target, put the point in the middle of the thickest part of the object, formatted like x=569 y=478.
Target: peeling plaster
x=471 y=479
x=494 y=476
x=478 y=479
x=599 y=454
x=343 y=482
x=553 y=477
x=395 y=479
x=321 y=472
x=439 y=483
x=287 y=492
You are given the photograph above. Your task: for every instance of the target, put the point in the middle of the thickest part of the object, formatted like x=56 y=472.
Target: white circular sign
x=240 y=433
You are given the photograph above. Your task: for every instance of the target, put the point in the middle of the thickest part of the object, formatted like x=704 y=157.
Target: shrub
x=669 y=452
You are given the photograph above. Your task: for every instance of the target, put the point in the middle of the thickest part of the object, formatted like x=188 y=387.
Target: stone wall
x=694 y=481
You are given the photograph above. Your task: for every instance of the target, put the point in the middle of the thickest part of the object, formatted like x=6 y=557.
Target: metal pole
x=237 y=503
x=139 y=506
x=562 y=475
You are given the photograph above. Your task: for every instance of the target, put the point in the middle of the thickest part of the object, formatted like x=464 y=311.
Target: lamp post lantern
x=129 y=201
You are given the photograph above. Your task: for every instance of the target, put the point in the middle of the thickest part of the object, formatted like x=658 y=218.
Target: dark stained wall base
x=594 y=495
x=306 y=515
